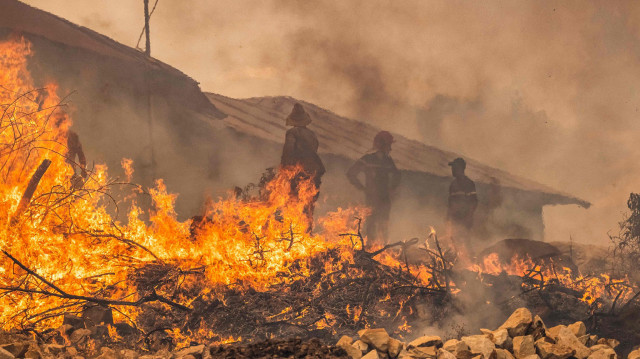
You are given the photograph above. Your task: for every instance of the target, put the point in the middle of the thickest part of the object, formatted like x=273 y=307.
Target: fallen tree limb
x=31 y=188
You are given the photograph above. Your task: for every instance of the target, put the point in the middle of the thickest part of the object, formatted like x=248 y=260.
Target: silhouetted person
x=382 y=177
x=463 y=201
x=74 y=150
x=301 y=148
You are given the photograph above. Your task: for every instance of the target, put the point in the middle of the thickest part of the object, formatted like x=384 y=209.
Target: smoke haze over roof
x=546 y=90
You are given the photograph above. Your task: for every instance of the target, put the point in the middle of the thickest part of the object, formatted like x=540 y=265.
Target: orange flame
x=68 y=237
x=593 y=287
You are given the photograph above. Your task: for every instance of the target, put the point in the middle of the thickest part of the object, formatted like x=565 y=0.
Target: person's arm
x=353 y=172
x=82 y=159
x=449 y=204
x=74 y=147
x=395 y=176
x=288 y=149
x=473 y=198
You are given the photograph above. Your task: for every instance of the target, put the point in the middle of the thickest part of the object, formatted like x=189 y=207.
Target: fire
x=66 y=247
x=594 y=287
x=68 y=238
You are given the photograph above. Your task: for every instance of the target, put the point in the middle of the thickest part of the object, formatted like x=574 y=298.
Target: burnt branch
x=58 y=292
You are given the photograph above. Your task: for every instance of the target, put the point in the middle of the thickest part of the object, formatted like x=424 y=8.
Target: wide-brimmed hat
x=298 y=116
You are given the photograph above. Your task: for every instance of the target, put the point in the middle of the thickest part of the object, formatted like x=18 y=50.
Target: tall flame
x=68 y=237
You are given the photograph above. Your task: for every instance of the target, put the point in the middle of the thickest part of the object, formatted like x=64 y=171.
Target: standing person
x=301 y=149
x=382 y=177
x=463 y=202
x=74 y=149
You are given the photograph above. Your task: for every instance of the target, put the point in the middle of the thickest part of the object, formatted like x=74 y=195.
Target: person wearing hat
x=301 y=149
x=382 y=177
x=463 y=201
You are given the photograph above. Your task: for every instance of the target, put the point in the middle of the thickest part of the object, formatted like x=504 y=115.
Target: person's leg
x=310 y=207
x=384 y=211
x=371 y=224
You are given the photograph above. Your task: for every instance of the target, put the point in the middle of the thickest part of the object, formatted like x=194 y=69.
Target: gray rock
x=578 y=329
x=129 y=354
x=553 y=332
x=605 y=353
x=443 y=354
x=16 y=349
x=345 y=339
x=421 y=353
x=566 y=337
x=518 y=322
x=5 y=354
x=371 y=355
x=345 y=343
x=610 y=342
x=499 y=337
x=54 y=349
x=537 y=329
x=504 y=354
x=480 y=345
x=584 y=339
x=548 y=350
x=426 y=341
x=195 y=351
x=107 y=353
x=360 y=345
x=597 y=347
x=33 y=353
x=395 y=347
x=634 y=354
x=458 y=348
x=377 y=338
x=523 y=346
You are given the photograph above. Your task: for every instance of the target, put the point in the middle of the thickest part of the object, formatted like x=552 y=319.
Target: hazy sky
x=544 y=89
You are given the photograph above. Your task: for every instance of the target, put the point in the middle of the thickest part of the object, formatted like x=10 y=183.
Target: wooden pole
x=147 y=76
x=147 y=49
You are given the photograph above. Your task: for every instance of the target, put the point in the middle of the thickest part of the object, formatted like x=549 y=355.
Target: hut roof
x=263 y=117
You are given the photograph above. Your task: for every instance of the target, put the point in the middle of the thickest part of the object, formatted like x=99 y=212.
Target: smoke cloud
x=545 y=90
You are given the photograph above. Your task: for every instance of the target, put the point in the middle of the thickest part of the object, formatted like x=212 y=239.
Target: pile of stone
x=287 y=348
x=522 y=336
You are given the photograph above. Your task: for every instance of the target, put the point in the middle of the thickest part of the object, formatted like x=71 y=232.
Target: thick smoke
x=546 y=90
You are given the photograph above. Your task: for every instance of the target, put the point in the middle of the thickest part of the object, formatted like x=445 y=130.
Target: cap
x=458 y=162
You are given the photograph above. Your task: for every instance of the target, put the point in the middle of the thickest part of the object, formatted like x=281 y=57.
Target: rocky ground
x=522 y=336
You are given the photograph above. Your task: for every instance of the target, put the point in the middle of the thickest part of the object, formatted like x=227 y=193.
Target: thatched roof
x=263 y=117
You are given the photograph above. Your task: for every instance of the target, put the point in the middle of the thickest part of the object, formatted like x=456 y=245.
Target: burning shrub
x=250 y=269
